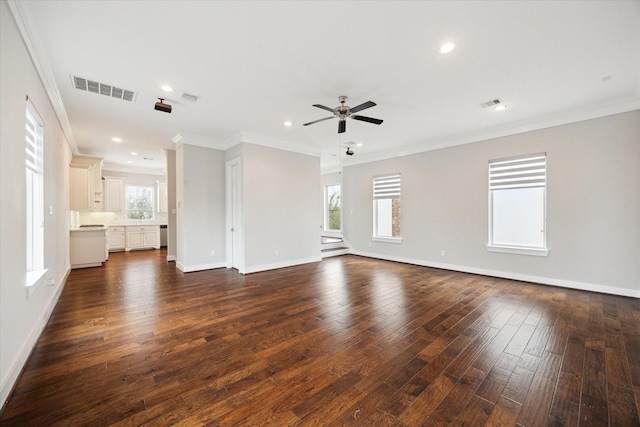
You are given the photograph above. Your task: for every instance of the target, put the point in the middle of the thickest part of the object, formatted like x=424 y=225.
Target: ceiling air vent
x=490 y=103
x=103 y=89
x=189 y=97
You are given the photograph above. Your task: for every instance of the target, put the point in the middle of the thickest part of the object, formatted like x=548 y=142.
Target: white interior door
x=236 y=241
x=235 y=248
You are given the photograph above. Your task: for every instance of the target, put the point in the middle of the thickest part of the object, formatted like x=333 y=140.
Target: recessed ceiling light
x=129 y=161
x=166 y=88
x=501 y=107
x=359 y=144
x=133 y=153
x=116 y=139
x=288 y=123
x=447 y=48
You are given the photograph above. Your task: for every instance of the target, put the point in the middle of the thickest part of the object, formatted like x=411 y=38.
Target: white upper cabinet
x=113 y=194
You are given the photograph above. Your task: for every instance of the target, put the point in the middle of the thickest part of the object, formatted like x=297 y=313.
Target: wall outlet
x=213 y=253
x=369 y=244
x=51 y=282
x=277 y=252
x=442 y=252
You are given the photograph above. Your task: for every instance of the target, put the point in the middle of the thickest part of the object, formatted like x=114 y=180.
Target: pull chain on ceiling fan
x=342 y=112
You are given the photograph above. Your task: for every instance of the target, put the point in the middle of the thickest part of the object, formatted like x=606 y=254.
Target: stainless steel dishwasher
x=163 y=236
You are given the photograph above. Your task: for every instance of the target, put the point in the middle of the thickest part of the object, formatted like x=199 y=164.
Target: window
x=139 y=201
x=332 y=208
x=386 y=208
x=34 y=194
x=517 y=213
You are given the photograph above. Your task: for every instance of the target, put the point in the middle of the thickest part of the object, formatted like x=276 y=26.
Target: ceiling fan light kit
x=342 y=112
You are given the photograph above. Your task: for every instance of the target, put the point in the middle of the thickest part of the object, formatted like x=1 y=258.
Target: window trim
x=153 y=201
x=34 y=180
x=381 y=193
x=326 y=209
x=537 y=181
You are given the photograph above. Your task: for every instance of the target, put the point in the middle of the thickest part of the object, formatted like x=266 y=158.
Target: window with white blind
x=34 y=195
x=386 y=208
x=517 y=199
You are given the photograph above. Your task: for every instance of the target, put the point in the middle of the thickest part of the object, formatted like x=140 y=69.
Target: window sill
x=34 y=279
x=387 y=239
x=518 y=250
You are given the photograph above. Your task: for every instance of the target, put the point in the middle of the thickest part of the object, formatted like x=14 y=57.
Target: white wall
x=281 y=207
x=200 y=198
x=593 y=206
x=22 y=317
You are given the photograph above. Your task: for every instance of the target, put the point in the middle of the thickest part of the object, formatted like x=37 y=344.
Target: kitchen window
x=140 y=201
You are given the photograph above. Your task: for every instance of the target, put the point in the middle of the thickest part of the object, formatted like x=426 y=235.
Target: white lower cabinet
x=142 y=237
x=117 y=239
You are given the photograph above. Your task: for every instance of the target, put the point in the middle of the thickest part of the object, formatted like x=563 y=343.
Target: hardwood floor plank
x=349 y=340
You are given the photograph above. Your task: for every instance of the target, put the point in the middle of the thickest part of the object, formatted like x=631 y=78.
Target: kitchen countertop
x=97 y=228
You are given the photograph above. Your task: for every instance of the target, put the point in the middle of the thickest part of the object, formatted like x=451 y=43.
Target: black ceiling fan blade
x=319 y=120
x=363 y=106
x=333 y=110
x=367 y=119
x=342 y=126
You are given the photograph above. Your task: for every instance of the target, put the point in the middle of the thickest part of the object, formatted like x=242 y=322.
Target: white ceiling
x=257 y=64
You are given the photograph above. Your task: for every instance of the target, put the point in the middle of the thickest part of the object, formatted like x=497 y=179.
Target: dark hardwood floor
x=350 y=340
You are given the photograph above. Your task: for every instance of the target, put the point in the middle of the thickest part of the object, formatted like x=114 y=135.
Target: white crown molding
x=244 y=137
x=549 y=121
x=38 y=55
x=253 y=138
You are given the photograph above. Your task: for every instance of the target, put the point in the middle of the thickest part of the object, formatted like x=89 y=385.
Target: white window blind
x=32 y=143
x=527 y=171
x=34 y=191
x=386 y=187
x=517 y=212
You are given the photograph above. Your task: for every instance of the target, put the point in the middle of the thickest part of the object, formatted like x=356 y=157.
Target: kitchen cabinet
x=116 y=238
x=85 y=182
x=162 y=196
x=88 y=247
x=142 y=237
x=80 y=189
x=113 y=194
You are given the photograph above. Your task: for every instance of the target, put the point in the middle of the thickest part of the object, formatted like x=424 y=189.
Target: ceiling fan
x=343 y=111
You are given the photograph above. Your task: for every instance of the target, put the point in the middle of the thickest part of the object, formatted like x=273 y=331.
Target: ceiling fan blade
x=342 y=126
x=367 y=119
x=319 y=120
x=363 y=106
x=333 y=110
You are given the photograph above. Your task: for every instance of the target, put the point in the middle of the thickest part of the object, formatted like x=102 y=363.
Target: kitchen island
x=88 y=246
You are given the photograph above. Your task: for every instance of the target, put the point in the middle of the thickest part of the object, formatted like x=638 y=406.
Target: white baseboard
x=583 y=286
x=19 y=362
x=199 y=267
x=274 y=266
x=171 y=257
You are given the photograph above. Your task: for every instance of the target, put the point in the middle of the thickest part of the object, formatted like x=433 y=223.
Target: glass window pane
x=518 y=217
x=332 y=208
x=139 y=202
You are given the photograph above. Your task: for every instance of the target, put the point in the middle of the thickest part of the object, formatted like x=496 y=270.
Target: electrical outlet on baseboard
x=442 y=252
